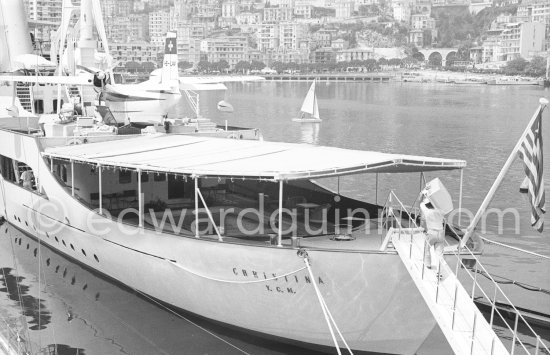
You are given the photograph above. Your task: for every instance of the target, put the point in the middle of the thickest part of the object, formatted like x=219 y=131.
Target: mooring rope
x=234 y=281
x=326 y=312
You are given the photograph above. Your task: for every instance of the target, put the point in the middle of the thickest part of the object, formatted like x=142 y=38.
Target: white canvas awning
x=220 y=157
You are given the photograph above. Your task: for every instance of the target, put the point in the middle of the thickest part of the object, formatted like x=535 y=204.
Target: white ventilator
x=438 y=195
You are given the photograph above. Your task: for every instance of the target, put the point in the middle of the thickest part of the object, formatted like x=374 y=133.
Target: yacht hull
x=260 y=288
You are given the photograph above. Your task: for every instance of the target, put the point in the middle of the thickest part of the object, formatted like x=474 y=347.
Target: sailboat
x=309 y=107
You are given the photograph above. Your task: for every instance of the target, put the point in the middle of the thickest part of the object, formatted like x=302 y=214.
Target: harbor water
x=55 y=303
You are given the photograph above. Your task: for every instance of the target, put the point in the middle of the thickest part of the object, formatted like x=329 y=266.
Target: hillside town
x=289 y=35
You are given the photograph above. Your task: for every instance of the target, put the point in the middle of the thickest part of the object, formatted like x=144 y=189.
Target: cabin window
x=176 y=187
x=124 y=176
x=7 y=169
x=62 y=172
x=38 y=106
x=160 y=177
x=144 y=177
x=54 y=103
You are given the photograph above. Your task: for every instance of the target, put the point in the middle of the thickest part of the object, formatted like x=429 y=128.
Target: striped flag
x=531 y=154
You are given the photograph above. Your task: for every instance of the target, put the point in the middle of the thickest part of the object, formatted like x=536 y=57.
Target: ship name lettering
x=287 y=279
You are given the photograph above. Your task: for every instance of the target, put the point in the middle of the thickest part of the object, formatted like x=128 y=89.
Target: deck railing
x=390 y=218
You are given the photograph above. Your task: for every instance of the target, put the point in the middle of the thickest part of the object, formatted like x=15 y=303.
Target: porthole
x=96 y=258
x=83 y=252
x=47 y=235
x=57 y=240
x=63 y=242
x=72 y=247
x=19 y=219
x=26 y=223
x=28 y=246
x=19 y=241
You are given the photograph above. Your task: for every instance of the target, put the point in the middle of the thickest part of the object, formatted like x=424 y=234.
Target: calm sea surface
x=480 y=124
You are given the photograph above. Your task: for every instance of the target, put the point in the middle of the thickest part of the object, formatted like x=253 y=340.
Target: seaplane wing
x=201 y=83
x=84 y=80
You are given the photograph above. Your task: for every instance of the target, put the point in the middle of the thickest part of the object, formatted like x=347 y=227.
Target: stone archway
x=419 y=56
x=435 y=59
x=450 y=58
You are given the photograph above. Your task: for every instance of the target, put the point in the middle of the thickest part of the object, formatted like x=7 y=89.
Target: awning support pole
x=51 y=164
x=100 y=190
x=140 y=199
x=72 y=177
x=210 y=216
x=197 y=207
x=460 y=197
x=500 y=176
x=280 y=236
x=376 y=190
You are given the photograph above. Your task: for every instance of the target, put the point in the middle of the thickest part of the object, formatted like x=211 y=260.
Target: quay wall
x=342 y=77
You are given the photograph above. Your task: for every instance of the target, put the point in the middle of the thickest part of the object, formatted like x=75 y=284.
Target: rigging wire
x=515 y=248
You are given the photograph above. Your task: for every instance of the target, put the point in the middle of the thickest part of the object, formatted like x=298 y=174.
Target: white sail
x=310 y=102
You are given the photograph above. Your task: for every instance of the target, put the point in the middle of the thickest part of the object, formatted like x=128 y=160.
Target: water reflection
x=77 y=311
x=309 y=133
x=16 y=290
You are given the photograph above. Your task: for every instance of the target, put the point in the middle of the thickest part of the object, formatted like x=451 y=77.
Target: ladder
x=462 y=323
x=24 y=94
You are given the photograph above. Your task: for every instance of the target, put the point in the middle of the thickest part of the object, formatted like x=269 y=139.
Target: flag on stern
x=531 y=154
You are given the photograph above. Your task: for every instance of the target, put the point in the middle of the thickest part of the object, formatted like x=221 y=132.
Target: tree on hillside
x=279 y=67
x=396 y=62
x=409 y=62
x=203 y=66
x=257 y=65
x=184 y=65
x=242 y=67
x=515 y=67
x=536 y=67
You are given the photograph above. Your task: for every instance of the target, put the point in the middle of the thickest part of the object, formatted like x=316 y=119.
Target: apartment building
x=347 y=55
x=232 y=49
x=422 y=26
x=137 y=51
x=291 y=34
x=522 y=40
x=267 y=36
x=48 y=11
x=111 y=8
x=402 y=11
x=248 y=18
x=159 y=24
x=189 y=37
x=303 y=11
x=230 y=9
x=278 y=14
x=344 y=9
x=537 y=11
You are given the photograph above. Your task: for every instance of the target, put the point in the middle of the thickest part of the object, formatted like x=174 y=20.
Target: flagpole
x=500 y=177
